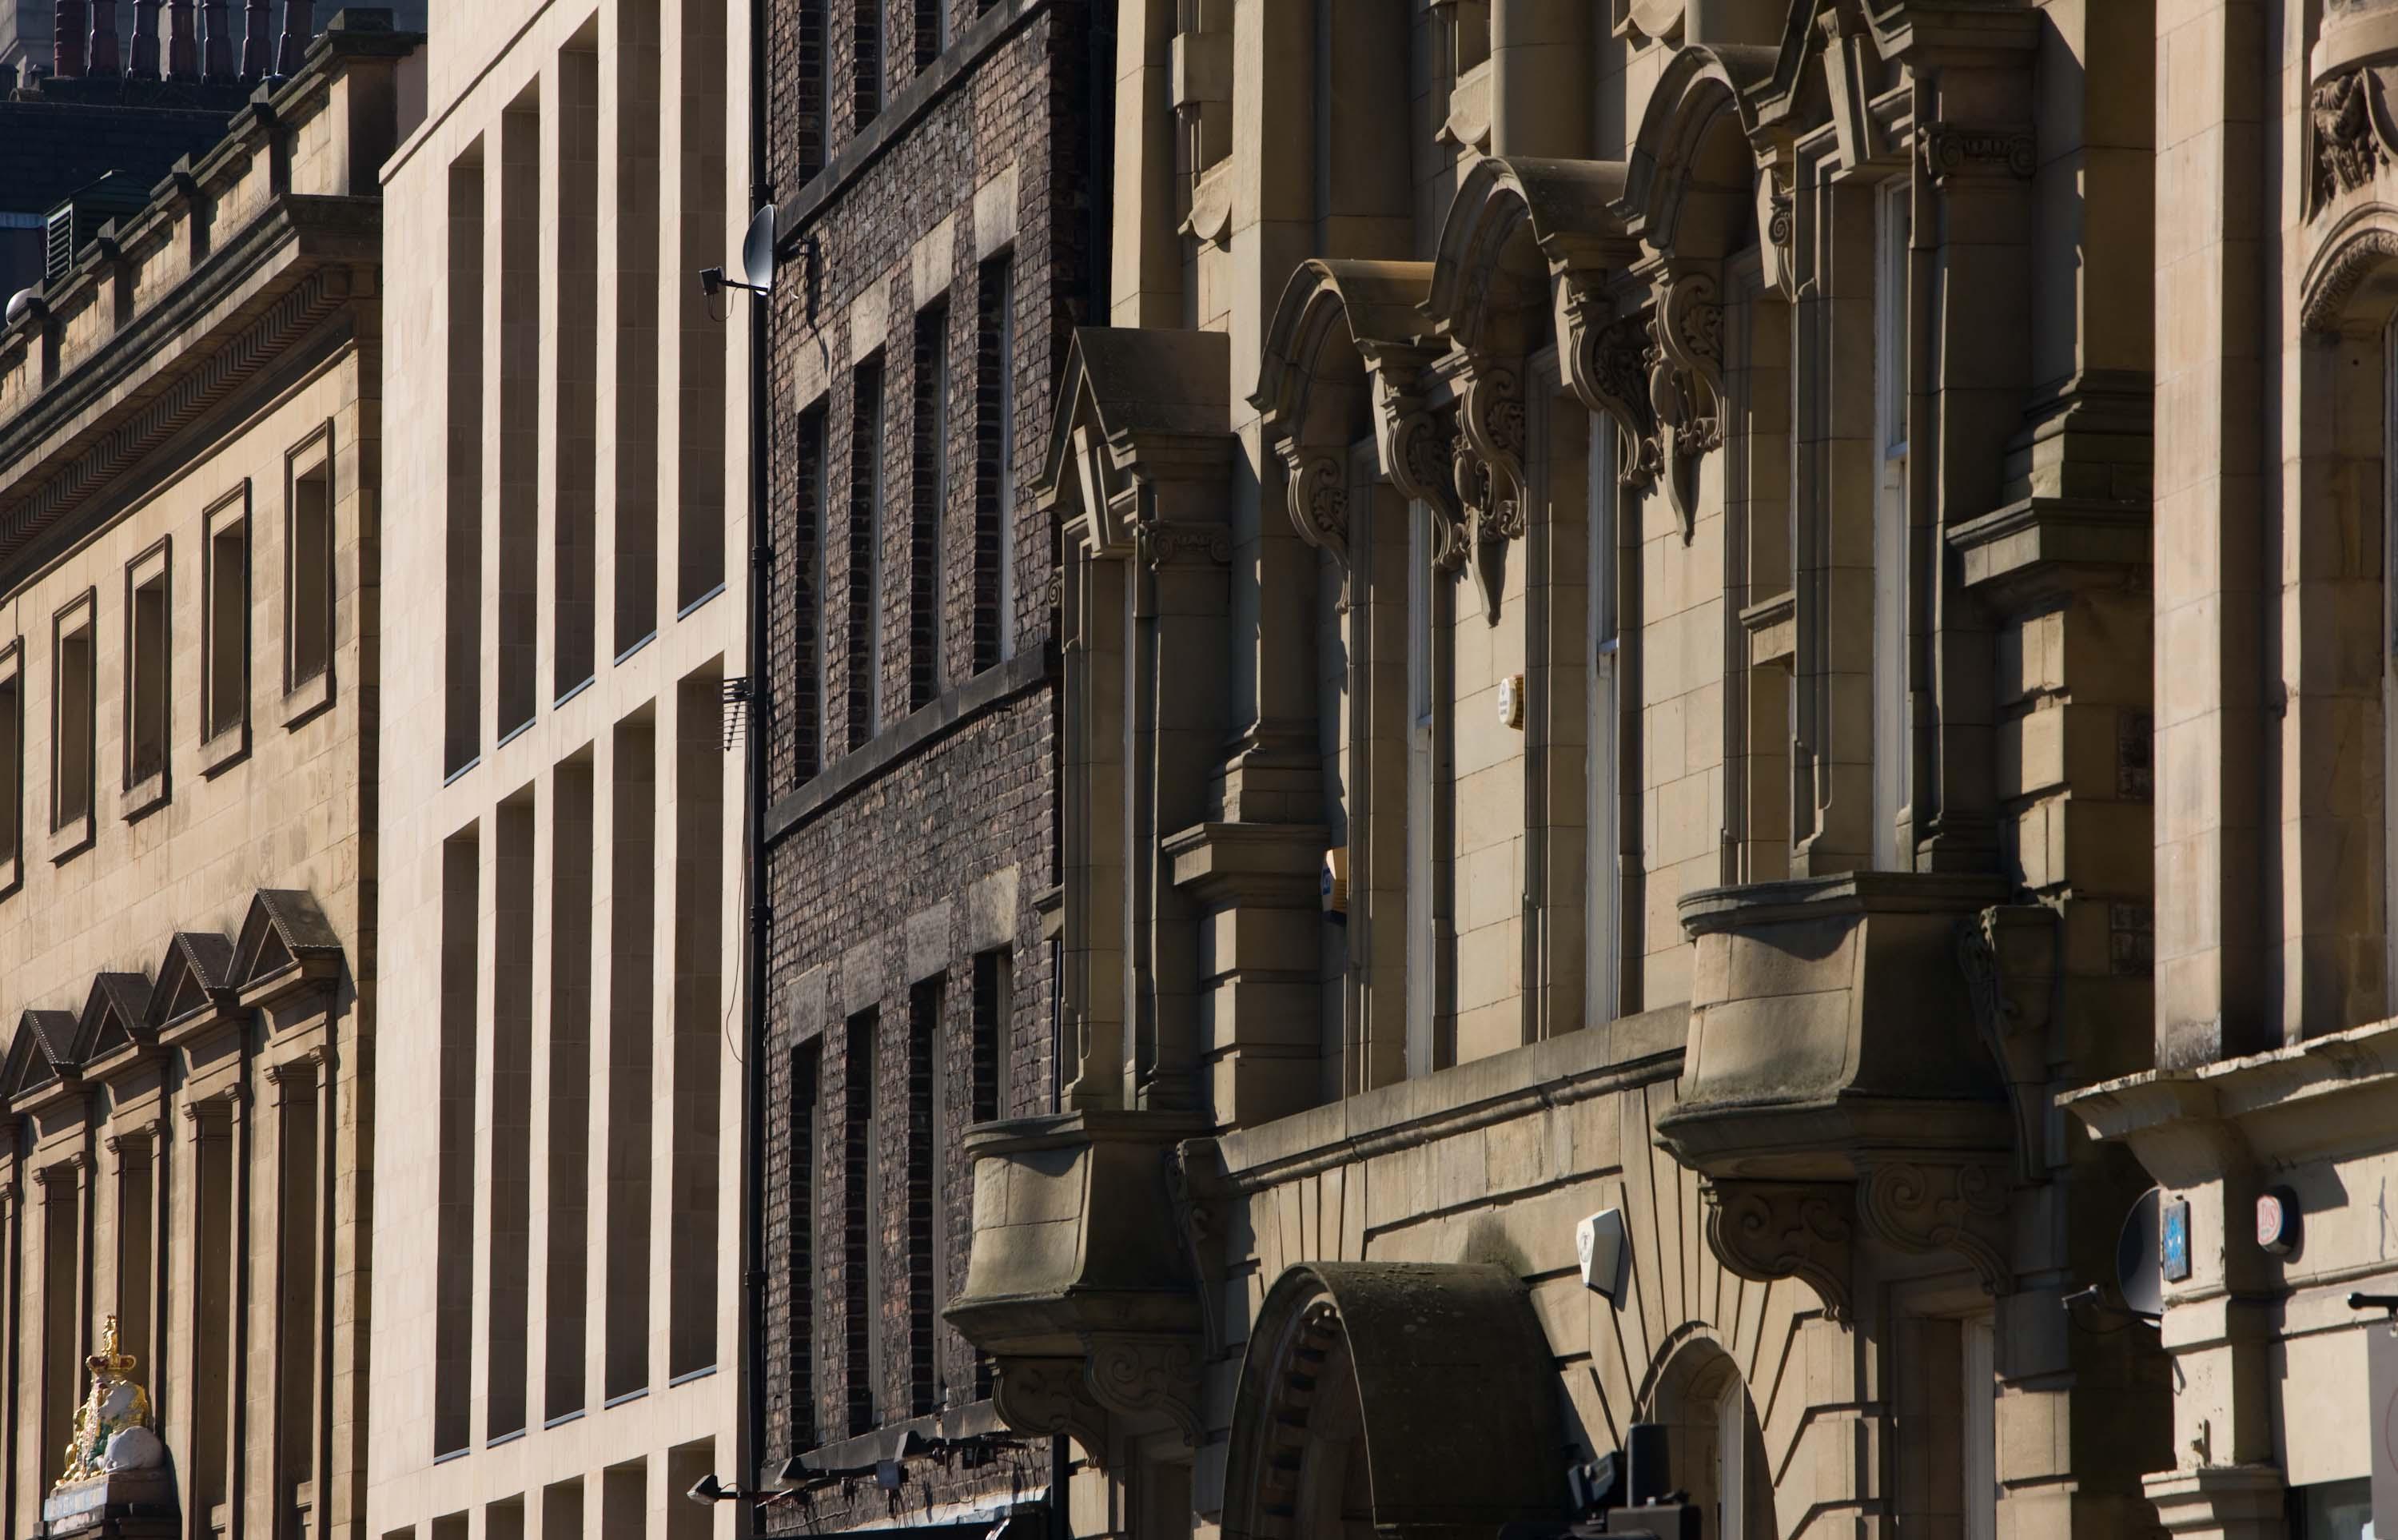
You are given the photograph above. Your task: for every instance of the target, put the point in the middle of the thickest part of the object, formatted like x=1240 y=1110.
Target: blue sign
x=2172 y=1240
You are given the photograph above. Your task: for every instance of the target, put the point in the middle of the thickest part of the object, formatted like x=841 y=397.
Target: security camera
x=711 y=281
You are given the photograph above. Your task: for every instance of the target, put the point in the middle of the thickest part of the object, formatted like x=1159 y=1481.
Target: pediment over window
x=286 y=943
x=41 y=1055
x=1144 y=438
x=1513 y=225
x=116 y=1016
x=195 y=975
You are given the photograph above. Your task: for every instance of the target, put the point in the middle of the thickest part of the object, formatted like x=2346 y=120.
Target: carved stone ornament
x=1955 y=1206
x=1318 y=483
x=112 y=1428
x=2008 y=955
x=1490 y=412
x=1685 y=361
x=1050 y=1395
x=1169 y=541
x=1609 y=364
x=1416 y=456
x=1136 y=1376
x=1951 y=151
x=1768 y=1230
x=1193 y=1178
x=2348 y=145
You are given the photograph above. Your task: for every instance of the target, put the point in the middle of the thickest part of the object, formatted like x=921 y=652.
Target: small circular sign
x=2277 y=1221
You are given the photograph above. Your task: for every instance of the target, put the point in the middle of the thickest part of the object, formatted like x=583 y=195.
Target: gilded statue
x=112 y=1427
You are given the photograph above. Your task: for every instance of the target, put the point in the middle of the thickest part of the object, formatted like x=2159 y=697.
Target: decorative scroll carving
x=1490 y=413
x=1948 y=1206
x=1317 y=484
x=1134 y=1376
x=1192 y=1177
x=1416 y=456
x=1952 y=150
x=1768 y=1230
x=2349 y=148
x=1685 y=361
x=1608 y=364
x=1050 y=1395
x=1168 y=541
x=2009 y=957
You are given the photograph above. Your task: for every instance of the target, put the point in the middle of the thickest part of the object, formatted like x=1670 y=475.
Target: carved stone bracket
x=1193 y=1185
x=1138 y=1377
x=1050 y=1395
x=1951 y=150
x=1949 y=1205
x=2009 y=957
x=1487 y=468
x=1607 y=365
x=2347 y=119
x=1685 y=362
x=1768 y=1230
x=1415 y=455
x=1317 y=482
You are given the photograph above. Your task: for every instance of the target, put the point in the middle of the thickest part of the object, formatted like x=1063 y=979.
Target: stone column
x=1541 y=78
x=217 y=53
x=297 y=16
x=183 y=48
x=143 y=63
x=257 y=45
x=104 y=59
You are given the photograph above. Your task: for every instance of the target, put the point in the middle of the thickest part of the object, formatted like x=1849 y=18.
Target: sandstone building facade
x=1605 y=614
x=934 y=167
x=190 y=433
x=560 y=821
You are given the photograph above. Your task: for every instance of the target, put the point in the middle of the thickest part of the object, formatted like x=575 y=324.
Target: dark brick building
x=940 y=170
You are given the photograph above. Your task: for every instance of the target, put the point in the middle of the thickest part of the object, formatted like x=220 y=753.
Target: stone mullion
x=1094 y=789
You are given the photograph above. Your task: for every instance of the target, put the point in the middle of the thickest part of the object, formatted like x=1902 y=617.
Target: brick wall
x=899 y=827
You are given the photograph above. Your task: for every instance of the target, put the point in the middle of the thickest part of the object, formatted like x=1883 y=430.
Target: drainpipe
x=749 y=1433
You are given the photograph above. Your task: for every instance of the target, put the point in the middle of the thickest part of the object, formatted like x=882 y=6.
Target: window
x=1431 y=960
x=12 y=766
x=1603 y=953
x=866 y=556
x=225 y=648
x=932 y=30
x=1979 y=1469
x=807 y=703
x=804 y=1167
x=928 y=1238
x=814 y=125
x=861 y=1241
x=72 y=712
x=868 y=82
x=927 y=577
x=146 y=653
x=1890 y=747
x=308 y=563
x=995 y=467
x=1731 y=1460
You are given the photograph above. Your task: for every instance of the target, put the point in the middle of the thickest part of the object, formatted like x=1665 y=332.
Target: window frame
x=1893 y=767
x=154 y=566
x=304 y=697
x=72 y=832
x=12 y=765
x=225 y=741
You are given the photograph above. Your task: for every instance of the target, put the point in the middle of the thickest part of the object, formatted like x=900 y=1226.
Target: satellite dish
x=2138 y=1270
x=23 y=300
x=758 y=250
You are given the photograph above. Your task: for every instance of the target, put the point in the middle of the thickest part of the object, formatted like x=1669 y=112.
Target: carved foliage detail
x=1049 y=1395
x=1768 y=1230
x=1319 y=498
x=1138 y=1375
x=1953 y=150
x=2349 y=148
x=1685 y=361
x=1490 y=412
x=1611 y=367
x=1168 y=541
x=2008 y=955
x=1948 y=1206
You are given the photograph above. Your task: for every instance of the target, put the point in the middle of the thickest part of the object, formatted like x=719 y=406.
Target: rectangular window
x=1892 y=749
x=147 y=609
x=1979 y=1468
x=455 y=1197
x=994 y=1011
x=633 y=537
x=700 y=370
x=574 y=447
x=861 y=1242
x=812 y=133
x=927 y=1230
x=865 y=556
x=632 y=985
x=73 y=707
x=1604 y=949
x=808 y=563
x=12 y=766
x=697 y=1107
x=932 y=30
x=805 y=1169
x=566 y=1308
x=868 y=84
x=225 y=647
x=308 y=562
x=461 y=636
x=927 y=585
x=517 y=515
x=507 y=1228
x=1432 y=973
x=994 y=466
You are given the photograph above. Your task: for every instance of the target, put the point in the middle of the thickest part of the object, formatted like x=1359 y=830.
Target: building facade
x=191 y=429
x=562 y=823
x=1606 y=626
x=933 y=165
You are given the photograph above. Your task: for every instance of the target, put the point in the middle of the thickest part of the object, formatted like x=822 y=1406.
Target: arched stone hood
x=1668 y=180
x=1388 y=1355
x=1345 y=354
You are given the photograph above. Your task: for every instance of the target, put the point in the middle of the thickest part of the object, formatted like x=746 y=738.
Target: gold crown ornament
x=116 y=1407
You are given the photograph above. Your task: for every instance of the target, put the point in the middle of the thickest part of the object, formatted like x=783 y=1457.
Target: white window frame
x=1892 y=750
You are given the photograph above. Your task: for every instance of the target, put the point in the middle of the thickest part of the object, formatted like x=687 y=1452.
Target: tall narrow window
x=812 y=130
x=299 y=1165
x=1890 y=747
x=868 y=45
x=932 y=30
x=462 y=548
x=861 y=1242
x=994 y=1011
x=567 y=1278
x=1604 y=953
x=927 y=1226
x=697 y=1104
x=929 y=501
x=147 y=607
x=308 y=562
x=12 y=766
x=1431 y=963
x=574 y=449
x=508 y=1297
x=454 y=1274
x=807 y=706
x=632 y=967
x=635 y=536
x=994 y=618
x=518 y=520
x=699 y=396
x=1731 y=1460
x=72 y=710
x=865 y=556
x=804 y=1168
x=61 y=1266
x=224 y=623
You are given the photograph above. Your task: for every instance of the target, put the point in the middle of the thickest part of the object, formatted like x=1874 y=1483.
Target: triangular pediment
x=197 y=972
x=117 y=1007
x=1133 y=394
x=284 y=933
x=40 y=1054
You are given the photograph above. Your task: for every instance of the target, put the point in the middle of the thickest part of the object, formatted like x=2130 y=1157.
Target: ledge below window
x=303 y=700
x=224 y=750
x=146 y=795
